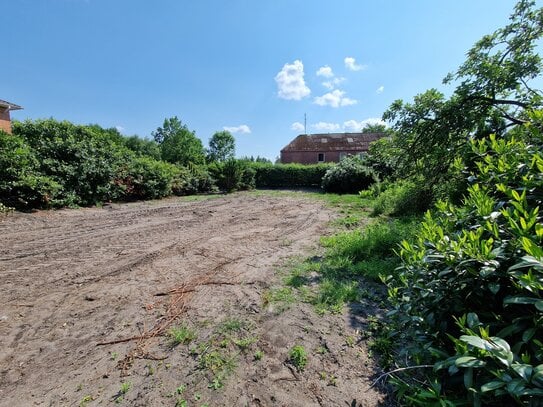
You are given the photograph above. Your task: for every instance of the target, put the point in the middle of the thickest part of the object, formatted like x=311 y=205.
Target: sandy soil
x=88 y=296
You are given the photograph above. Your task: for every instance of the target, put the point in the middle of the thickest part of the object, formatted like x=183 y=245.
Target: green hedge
x=48 y=163
x=288 y=175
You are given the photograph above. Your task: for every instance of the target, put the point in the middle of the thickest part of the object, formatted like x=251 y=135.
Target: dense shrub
x=143 y=147
x=288 y=175
x=350 y=175
x=232 y=175
x=469 y=294
x=145 y=178
x=193 y=180
x=21 y=185
x=82 y=159
x=401 y=198
x=50 y=163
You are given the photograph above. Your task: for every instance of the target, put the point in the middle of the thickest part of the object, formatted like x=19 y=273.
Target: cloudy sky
x=253 y=67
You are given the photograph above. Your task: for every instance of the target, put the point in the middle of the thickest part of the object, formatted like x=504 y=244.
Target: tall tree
x=375 y=128
x=494 y=92
x=178 y=144
x=222 y=147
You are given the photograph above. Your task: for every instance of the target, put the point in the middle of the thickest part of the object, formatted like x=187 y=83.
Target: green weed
x=85 y=400
x=181 y=335
x=258 y=355
x=125 y=387
x=298 y=357
x=282 y=297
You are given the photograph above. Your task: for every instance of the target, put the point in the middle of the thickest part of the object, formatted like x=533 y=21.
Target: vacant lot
x=89 y=297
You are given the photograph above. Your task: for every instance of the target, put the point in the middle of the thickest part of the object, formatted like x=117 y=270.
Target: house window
x=362 y=155
x=321 y=158
x=342 y=156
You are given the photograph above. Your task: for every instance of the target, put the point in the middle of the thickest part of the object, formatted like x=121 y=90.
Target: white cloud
x=356 y=126
x=297 y=126
x=120 y=129
x=333 y=83
x=372 y=121
x=325 y=71
x=380 y=89
x=324 y=126
x=350 y=64
x=334 y=99
x=352 y=126
x=242 y=129
x=290 y=81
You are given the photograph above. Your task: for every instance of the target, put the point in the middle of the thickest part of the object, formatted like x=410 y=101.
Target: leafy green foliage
x=402 y=197
x=182 y=334
x=494 y=93
x=298 y=357
x=81 y=159
x=350 y=175
x=145 y=178
x=48 y=163
x=141 y=146
x=470 y=290
x=21 y=184
x=222 y=147
x=178 y=144
x=233 y=175
x=288 y=175
x=382 y=157
x=377 y=240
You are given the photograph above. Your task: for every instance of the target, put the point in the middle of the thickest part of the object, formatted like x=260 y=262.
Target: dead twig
x=401 y=369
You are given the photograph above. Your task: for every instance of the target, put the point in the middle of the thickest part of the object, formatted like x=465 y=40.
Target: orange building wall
x=5 y=122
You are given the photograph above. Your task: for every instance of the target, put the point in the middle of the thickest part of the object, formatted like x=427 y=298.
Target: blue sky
x=252 y=66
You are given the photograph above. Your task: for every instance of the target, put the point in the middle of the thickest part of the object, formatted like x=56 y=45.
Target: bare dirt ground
x=88 y=296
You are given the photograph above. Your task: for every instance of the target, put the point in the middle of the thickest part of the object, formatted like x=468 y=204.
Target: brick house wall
x=327 y=148
x=5 y=121
x=312 y=157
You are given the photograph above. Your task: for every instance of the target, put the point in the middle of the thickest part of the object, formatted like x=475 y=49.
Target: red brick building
x=5 y=120
x=330 y=147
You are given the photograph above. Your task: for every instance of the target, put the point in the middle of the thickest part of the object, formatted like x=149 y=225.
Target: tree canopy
x=494 y=92
x=178 y=144
x=222 y=147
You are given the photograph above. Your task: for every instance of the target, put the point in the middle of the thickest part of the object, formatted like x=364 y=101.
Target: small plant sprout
x=258 y=355
x=181 y=335
x=350 y=341
x=125 y=386
x=298 y=357
x=85 y=400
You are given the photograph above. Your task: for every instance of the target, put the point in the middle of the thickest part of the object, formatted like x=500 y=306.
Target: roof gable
x=9 y=106
x=333 y=142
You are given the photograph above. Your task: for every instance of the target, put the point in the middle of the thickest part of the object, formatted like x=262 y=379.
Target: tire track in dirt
x=73 y=278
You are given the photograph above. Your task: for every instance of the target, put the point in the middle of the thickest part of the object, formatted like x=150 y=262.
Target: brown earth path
x=72 y=279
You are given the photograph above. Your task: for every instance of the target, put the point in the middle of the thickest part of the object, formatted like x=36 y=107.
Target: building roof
x=9 y=105
x=333 y=142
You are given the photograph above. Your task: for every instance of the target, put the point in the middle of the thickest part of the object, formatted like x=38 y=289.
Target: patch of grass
x=376 y=240
x=298 y=357
x=231 y=325
x=244 y=343
x=347 y=222
x=181 y=335
x=218 y=356
x=333 y=294
x=282 y=297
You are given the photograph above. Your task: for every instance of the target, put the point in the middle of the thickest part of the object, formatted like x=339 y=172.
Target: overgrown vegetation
x=288 y=175
x=349 y=176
